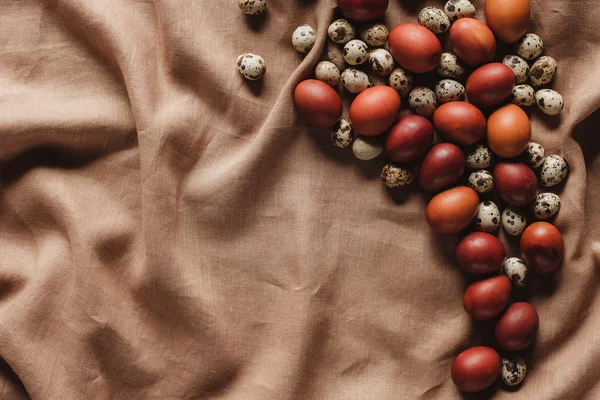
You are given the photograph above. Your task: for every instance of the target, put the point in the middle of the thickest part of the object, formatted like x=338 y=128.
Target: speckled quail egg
x=341 y=31
x=546 y=205
x=481 y=181
x=366 y=148
x=448 y=90
x=543 y=70
x=375 y=35
x=252 y=67
x=450 y=66
x=554 y=170
x=515 y=269
x=523 y=96
x=488 y=217
x=356 y=52
x=514 y=370
x=434 y=19
x=304 y=38
x=355 y=81
x=381 y=62
x=327 y=72
x=478 y=156
x=252 y=7
x=519 y=67
x=513 y=221
x=334 y=54
x=530 y=46
x=549 y=101
x=342 y=134
x=401 y=81
x=394 y=176
x=456 y=9
x=534 y=155
x=423 y=101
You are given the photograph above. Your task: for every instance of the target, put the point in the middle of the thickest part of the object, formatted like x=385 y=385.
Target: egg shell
x=366 y=149
x=481 y=181
x=252 y=66
x=508 y=19
x=542 y=247
x=472 y=41
x=545 y=206
x=514 y=370
x=475 y=369
x=342 y=134
x=554 y=170
x=450 y=66
x=523 y=96
x=514 y=221
x=448 y=90
x=362 y=10
x=434 y=19
x=328 y=73
x=401 y=81
x=485 y=299
x=549 y=101
x=515 y=269
x=480 y=253
x=415 y=48
x=543 y=70
x=356 y=52
x=508 y=131
x=453 y=210
x=252 y=7
x=423 y=101
x=303 y=38
x=355 y=81
x=530 y=46
x=478 y=156
x=318 y=103
x=516 y=183
x=341 y=31
x=490 y=84
x=443 y=165
x=459 y=122
x=381 y=62
x=374 y=111
x=409 y=139
x=394 y=176
x=519 y=67
x=534 y=155
x=518 y=327
x=457 y=9
x=487 y=218
x=375 y=35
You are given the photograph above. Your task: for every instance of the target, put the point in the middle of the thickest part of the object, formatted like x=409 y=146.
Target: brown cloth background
x=170 y=231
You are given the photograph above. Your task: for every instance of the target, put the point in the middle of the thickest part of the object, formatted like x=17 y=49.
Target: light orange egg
x=508 y=19
x=508 y=131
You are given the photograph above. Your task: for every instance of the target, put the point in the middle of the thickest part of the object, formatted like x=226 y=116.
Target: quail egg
x=401 y=81
x=478 y=157
x=523 y=96
x=394 y=176
x=534 y=155
x=375 y=35
x=252 y=7
x=549 y=101
x=252 y=67
x=448 y=90
x=341 y=31
x=355 y=81
x=366 y=148
x=434 y=19
x=481 y=181
x=554 y=170
x=327 y=72
x=423 y=101
x=303 y=38
x=513 y=221
x=546 y=205
x=515 y=269
x=450 y=66
x=488 y=217
x=356 y=52
x=543 y=70
x=519 y=67
x=381 y=62
x=342 y=134
x=530 y=46
x=514 y=370
x=456 y=9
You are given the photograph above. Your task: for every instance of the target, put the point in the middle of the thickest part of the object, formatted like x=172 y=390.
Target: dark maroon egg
x=480 y=253
x=487 y=298
x=442 y=166
x=475 y=369
x=409 y=139
x=490 y=84
x=362 y=10
x=542 y=247
x=517 y=327
x=516 y=183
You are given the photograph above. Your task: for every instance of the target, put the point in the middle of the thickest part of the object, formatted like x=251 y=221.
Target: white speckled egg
x=515 y=269
x=334 y=54
x=488 y=217
x=554 y=170
x=423 y=101
x=375 y=35
x=514 y=370
x=401 y=81
x=327 y=72
x=543 y=70
x=523 y=96
x=355 y=81
x=549 y=101
x=304 y=38
x=341 y=31
x=434 y=19
x=394 y=176
x=481 y=181
x=546 y=205
x=342 y=134
x=381 y=62
x=252 y=67
x=366 y=148
x=448 y=90
x=530 y=46
x=478 y=156
x=252 y=7
x=457 y=9
x=450 y=66
x=534 y=155
x=356 y=52
x=519 y=67
x=513 y=221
